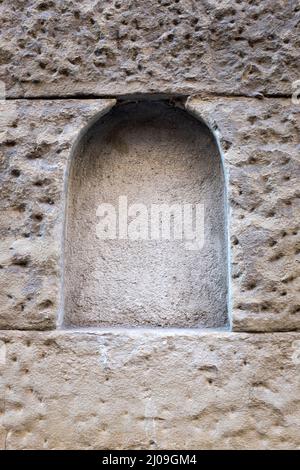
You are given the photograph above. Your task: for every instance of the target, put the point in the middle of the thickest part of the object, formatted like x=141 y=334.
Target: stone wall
x=232 y=65
x=137 y=46
x=156 y=389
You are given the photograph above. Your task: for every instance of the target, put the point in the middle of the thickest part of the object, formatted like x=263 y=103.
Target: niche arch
x=145 y=153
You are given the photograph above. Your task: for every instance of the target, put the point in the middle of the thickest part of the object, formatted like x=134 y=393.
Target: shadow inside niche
x=138 y=177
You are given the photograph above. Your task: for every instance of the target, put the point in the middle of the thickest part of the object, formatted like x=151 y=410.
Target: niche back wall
x=152 y=154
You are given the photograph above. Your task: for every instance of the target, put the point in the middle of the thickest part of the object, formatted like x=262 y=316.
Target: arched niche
x=151 y=154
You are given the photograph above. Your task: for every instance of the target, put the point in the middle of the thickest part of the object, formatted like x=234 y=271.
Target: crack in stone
x=150 y=96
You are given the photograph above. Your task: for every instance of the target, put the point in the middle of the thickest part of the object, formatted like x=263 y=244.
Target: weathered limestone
x=68 y=47
x=34 y=153
x=143 y=155
x=259 y=141
x=155 y=389
x=260 y=144
x=158 y=388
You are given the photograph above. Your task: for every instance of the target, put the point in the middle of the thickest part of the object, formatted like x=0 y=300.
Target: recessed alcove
x=120 y=266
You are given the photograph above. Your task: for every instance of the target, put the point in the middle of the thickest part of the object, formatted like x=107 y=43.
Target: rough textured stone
x=34 y=153
x=152 y=154
x=150 y=388
x=65 y=47
x=156 y=389
x=260 y=145
x=259 y=141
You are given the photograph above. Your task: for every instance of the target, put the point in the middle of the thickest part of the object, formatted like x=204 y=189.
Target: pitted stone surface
x=259 y=140
x=66 y=47
x=34 y=153
x=150 y=390
x=260 y=144
x=157 y=388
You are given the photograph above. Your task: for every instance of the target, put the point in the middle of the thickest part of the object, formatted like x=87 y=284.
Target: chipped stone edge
x=108 y=105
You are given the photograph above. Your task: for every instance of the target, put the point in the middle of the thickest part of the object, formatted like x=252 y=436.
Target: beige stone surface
x=152 y=154
x=151 y=389
x=233 y=65
x=35 y=150
x=260 y=145
x=69 y=47
x=259 y=141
